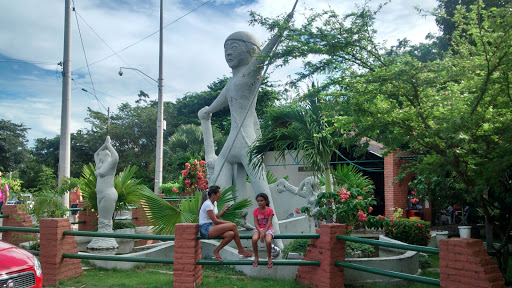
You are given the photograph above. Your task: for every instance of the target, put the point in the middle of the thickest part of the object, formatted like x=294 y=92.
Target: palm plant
x=301 y=128
x=127 y=187
x=164 y=216
x=349 y=176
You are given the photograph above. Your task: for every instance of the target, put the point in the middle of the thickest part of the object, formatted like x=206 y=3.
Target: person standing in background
x=75 y=197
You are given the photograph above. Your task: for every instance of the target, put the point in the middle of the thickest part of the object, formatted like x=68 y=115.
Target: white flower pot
x=465 y=231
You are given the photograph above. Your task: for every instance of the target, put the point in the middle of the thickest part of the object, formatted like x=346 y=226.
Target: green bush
x=352 y=248
x=296 y=246
x=415 y=232
x=121 y=225
x=425 y=261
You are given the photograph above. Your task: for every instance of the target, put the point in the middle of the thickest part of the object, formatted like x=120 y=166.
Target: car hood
x=13 y=258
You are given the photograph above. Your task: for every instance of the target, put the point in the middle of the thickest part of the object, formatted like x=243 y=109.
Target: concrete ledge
x=392 y=259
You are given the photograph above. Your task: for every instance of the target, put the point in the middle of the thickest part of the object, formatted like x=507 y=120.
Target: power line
x=98 y=91
x=83 y=49
x=137 y=42
x=109 y=46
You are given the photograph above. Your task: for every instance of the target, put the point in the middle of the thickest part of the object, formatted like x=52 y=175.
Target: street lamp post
x=160 y=109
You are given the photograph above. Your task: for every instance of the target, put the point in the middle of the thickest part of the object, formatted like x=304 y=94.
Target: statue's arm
x=220 y=102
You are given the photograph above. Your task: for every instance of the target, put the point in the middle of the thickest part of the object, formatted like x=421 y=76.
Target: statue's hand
x=204 y=114
x=107 y=140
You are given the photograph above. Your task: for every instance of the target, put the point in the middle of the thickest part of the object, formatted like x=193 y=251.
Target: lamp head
x=120 y=72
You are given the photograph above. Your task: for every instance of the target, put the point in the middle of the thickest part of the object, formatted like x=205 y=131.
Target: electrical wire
x=83 y=49
x=137 y=42
x=106 y=44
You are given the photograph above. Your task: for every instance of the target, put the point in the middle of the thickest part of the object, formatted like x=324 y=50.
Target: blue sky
x=32 y=44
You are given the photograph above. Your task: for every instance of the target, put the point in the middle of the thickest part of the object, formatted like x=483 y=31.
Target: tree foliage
x=451 y=109
x=13 y=145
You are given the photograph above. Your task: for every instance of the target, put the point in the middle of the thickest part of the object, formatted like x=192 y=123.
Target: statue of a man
x=106 y=159
x=244 y=56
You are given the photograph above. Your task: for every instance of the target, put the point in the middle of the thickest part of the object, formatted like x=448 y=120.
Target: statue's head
x=240 y=47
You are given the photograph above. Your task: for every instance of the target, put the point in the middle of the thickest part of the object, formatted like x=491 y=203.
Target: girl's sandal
x=254 y=263
x=270 y=265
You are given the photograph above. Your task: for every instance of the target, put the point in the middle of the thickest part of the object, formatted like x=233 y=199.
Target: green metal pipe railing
x=18 y=229
x=35 y=252
x=393 y=274
x=121 y=235
x=78 y=209
x=4 y=215
x=117 y=258
x=277 y=236
x=416 y=248
x=77 y=222
x=261 y=262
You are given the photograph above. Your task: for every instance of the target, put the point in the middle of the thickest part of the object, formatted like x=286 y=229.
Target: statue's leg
x=259 y=184
x=223 y=175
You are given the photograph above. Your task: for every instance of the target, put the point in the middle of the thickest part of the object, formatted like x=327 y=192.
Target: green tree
x=301 y=128
x=187 y=143
x=453 y=111
x=13 y=145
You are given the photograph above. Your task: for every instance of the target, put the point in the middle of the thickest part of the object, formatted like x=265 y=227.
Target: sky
x=124 y=33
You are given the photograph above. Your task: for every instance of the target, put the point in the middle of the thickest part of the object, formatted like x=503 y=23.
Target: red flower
x=370 y=210
x=413 y=193
x=332 y=201
x=297 y=211
x=381 y=217
x=187 y=165
x=174 y=190
x=202 y=162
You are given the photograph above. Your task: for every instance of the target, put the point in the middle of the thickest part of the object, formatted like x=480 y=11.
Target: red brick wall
x=17 y=218
x=187 y=250
x=395 y=191
x=90 y=218
x=465 y=263
x=53 y=244
x=326 y=250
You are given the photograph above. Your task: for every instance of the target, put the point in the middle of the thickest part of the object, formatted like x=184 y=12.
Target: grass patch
x=155 y=276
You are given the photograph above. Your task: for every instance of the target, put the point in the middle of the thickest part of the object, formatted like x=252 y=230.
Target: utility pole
x=65 y=139
x=160 y=116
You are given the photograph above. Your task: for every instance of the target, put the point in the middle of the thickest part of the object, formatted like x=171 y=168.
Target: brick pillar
x=427 y=212
x=187 y=250
x=395 y=192
x=465 y=263
x=90 y=218
x=18 y=217
x=142 y=219
x=53 y=244
x=327 y=250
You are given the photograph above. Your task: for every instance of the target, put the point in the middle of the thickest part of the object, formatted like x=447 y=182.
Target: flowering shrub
x=192 y=178
x=348 y=207
x=415 y=232
x=415 y=201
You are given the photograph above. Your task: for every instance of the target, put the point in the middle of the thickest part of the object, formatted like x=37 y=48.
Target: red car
x=19 y=268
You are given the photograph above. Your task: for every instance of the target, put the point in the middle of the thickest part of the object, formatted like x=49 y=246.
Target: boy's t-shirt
x=263 y=217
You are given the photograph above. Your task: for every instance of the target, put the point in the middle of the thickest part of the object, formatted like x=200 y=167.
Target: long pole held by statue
x=108 y=121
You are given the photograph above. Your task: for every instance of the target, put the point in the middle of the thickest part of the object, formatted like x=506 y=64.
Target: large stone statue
x=106 y=159
x=245 y=58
